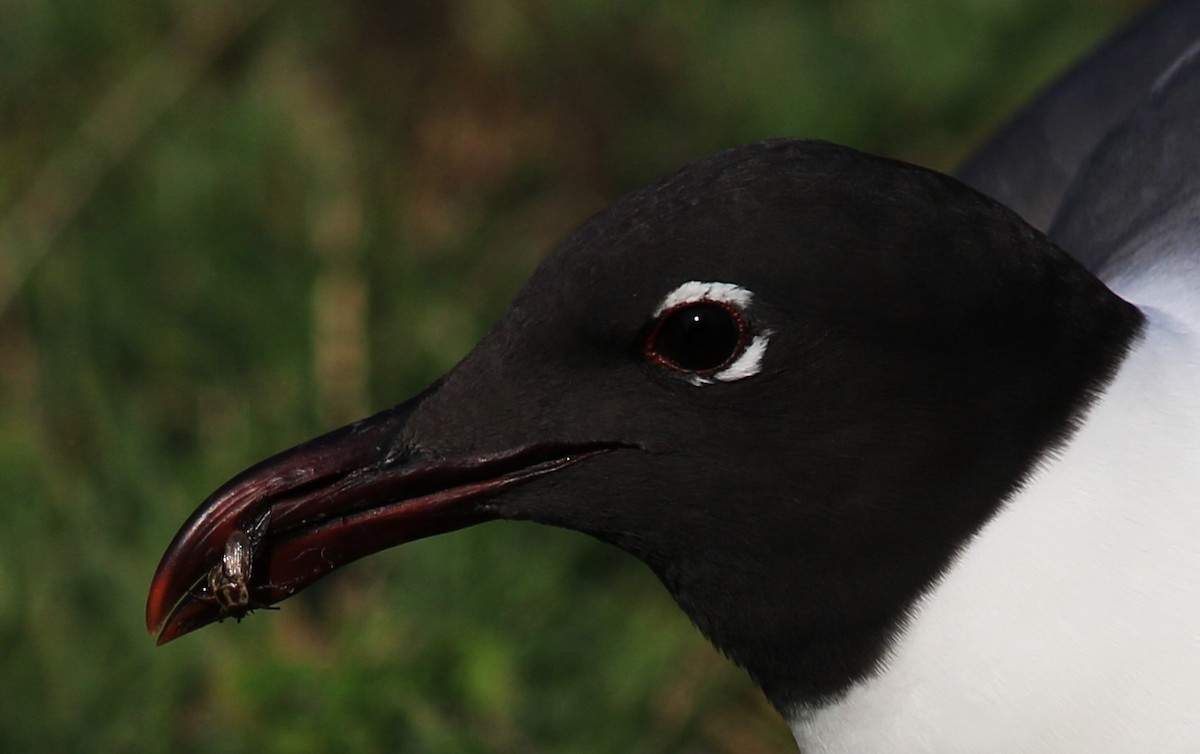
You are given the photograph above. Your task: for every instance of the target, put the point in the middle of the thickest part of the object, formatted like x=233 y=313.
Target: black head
x=791 y=378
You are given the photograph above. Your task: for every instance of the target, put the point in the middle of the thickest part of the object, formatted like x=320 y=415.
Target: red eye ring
x=698 y=337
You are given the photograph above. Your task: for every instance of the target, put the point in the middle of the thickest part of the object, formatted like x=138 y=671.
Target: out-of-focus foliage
x=226 y=226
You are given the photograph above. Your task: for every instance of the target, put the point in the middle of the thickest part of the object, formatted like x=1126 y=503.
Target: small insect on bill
x=228 y=582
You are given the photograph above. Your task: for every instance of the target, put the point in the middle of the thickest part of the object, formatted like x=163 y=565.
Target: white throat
x=1071 y=622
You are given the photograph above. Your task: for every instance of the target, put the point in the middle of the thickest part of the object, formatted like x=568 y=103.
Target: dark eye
x=701 y=336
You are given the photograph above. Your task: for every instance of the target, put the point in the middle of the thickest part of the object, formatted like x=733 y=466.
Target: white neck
x=1071 y=622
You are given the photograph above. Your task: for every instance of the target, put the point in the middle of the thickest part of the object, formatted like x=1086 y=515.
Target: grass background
x=226 y=226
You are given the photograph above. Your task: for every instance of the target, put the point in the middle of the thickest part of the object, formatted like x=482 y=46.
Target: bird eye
x=699 y=336
x=700 y=329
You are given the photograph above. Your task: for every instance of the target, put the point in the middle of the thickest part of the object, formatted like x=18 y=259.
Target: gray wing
x=1030 y=162
x=1134 y=204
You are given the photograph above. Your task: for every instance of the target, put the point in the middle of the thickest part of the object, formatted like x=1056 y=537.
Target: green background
x=226 y=226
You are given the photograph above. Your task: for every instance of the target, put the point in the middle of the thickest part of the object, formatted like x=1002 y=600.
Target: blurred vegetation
x=226 y=226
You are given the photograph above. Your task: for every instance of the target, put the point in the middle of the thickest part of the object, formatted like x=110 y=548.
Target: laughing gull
x=932 y=481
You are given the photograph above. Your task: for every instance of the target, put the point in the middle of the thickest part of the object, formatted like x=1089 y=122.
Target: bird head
x=791 y=378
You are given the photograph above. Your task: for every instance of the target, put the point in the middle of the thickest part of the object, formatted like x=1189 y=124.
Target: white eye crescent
x=701 y=330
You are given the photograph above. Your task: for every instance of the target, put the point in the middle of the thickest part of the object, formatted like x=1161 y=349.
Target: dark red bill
x=333 y=500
